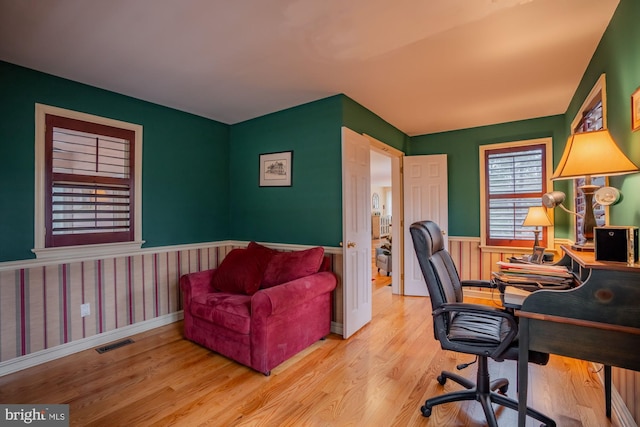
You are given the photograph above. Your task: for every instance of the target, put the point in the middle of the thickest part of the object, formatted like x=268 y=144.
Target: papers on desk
x=532 y=276
x=515 y=296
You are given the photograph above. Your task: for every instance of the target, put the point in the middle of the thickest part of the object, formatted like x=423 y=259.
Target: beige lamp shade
x=537 y=217
x=592 y=154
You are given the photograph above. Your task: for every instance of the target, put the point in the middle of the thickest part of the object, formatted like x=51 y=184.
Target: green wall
x=200 y=177
x=184 y=169
x=361 y=120
x=308 y=212
x=618 y=56
x=463 y=165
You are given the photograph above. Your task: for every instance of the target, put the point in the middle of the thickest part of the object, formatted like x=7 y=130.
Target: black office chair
x=467 y=328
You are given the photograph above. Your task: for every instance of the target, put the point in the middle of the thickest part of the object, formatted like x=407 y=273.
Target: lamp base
x=536 y=241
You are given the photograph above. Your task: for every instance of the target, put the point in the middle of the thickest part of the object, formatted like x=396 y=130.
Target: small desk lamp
x=536 y=217
x=586 y=155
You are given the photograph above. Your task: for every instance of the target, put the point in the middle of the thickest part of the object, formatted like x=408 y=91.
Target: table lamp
x=536 y=217
x=586 y=155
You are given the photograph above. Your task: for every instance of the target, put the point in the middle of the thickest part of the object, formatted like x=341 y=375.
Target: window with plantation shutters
x=89 y=183
x=515 y=178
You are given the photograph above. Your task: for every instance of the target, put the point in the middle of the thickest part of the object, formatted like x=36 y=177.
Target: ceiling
x=422 y=65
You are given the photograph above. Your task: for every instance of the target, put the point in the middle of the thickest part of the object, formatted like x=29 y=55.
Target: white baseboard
x=337 y=328
x=47 y=355
x=619 y=409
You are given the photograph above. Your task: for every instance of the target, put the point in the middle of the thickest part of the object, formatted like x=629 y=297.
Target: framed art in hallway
x=635 y=110
x=275 y=169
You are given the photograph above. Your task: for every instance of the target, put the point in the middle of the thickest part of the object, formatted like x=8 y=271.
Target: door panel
x=356 y=189
x=426 y=198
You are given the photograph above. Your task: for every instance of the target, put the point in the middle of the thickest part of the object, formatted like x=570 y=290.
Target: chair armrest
x=478 y=283
x=193 y=284
x=486 y=311
x=277 y=299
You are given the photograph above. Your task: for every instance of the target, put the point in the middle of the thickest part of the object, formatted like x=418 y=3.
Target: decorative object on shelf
x=586 y=155
x=537 y=217
x=275 y=169
x=635 y=110
x=616 y=243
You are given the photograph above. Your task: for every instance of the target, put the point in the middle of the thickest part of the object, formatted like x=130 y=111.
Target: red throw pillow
x=263 y=253
x=287 y=266
x=240 y=272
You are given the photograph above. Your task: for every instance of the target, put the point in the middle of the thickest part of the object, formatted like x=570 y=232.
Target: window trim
x=548 y=143
x=63 y=252
x=598 y=91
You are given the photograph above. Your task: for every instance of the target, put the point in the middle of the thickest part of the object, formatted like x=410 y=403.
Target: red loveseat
x=260 y=306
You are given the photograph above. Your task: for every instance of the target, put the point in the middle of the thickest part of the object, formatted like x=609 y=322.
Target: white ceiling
x=422 y=65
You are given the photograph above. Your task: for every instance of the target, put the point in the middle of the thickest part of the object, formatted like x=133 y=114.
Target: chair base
x=484 y=392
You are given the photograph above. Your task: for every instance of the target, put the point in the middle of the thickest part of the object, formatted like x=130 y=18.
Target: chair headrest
x=432 y=235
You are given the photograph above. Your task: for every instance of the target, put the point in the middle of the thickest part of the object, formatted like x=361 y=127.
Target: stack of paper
x=533 y=275
x=515 y=296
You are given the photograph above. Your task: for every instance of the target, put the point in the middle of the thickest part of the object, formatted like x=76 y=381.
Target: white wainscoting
x=127 y=293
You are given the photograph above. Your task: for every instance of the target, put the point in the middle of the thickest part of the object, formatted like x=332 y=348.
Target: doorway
x=381 y=222
x=357 y=205
x=386 y=181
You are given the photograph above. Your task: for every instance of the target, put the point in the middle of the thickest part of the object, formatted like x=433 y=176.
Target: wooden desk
x=599 y=320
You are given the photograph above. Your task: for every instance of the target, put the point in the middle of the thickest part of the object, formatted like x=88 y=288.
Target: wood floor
x=379 y=377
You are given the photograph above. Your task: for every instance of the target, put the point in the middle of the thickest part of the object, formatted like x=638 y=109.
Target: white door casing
x=356 y=220
x=425 y=198
x=396 y=157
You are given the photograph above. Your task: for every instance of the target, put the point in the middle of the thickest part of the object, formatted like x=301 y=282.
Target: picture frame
x=275 y=169
x=538 y=255
x=635 y=110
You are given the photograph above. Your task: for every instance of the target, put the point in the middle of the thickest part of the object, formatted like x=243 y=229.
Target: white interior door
x=425 y=198
x=356 y=226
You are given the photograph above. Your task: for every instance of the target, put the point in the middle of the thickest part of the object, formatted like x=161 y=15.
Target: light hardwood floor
x=379 y=377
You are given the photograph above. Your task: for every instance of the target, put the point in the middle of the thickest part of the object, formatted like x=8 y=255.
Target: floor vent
x=114 y=345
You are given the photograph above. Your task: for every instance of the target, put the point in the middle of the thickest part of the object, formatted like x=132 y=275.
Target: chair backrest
x=438 y=269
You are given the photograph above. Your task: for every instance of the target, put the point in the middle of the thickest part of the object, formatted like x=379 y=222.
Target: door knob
x=351 y=244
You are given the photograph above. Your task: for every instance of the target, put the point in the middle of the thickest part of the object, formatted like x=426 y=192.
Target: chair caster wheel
x=503 y=389
x=426 y=412
x=442 y=379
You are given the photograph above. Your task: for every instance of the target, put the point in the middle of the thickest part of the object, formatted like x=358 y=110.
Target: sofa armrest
x=277 y=299
x=193 y=284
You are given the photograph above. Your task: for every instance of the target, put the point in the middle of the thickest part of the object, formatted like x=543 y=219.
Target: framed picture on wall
x=635 y=110
x=275 y=169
